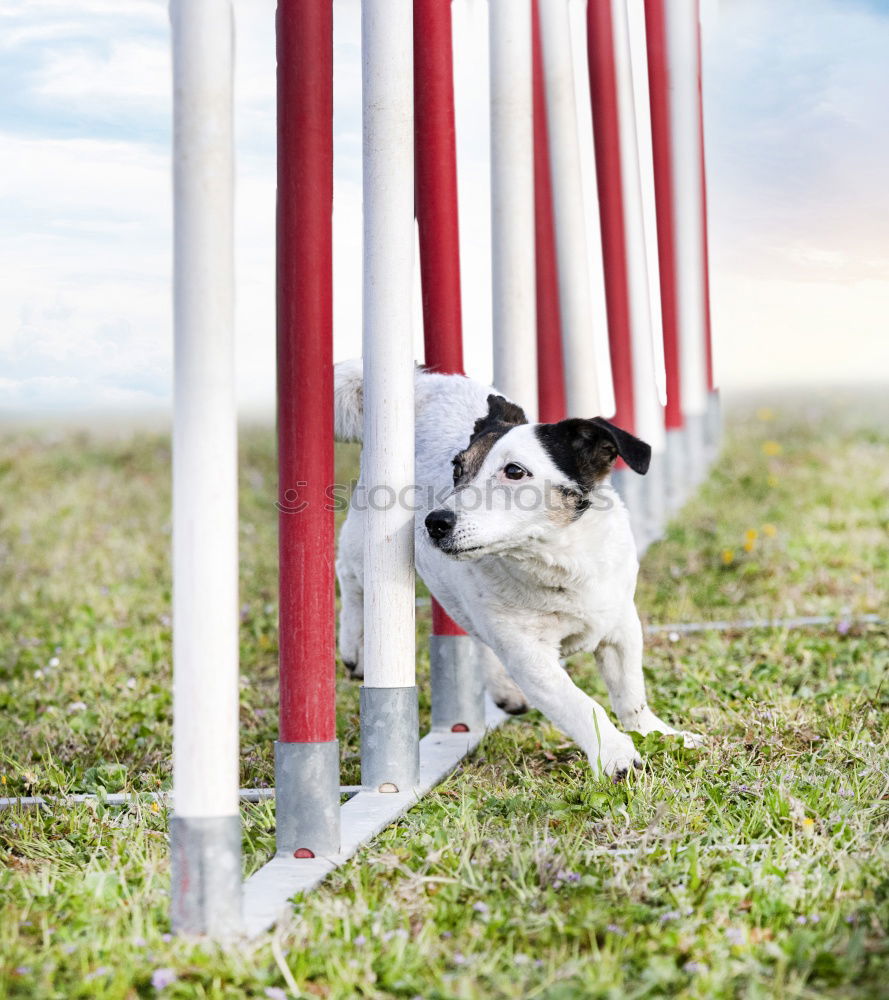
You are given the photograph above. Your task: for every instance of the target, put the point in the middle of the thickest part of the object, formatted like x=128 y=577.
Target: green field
x=756 y=867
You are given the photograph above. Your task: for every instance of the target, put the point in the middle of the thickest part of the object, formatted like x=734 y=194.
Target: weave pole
x=457 y=685
x=659 y=91
x=306 y=753
x=512 y=203
x=205 y=831
x=551 y=404
x=713 y=434
x=648 y=362
x=575 y=300
x=623 y=245
x=389 y=711
x=681 y=22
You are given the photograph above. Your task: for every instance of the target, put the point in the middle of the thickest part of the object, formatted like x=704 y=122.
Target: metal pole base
x=458 y=687
x=696 y=449
x=307 y=799
x=677 y=469
x=629 y=487
x=390 y=739
x=205 y=855
x=655 y=488
x=714 y=425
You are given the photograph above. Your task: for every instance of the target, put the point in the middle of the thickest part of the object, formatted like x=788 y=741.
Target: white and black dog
x=526 y=546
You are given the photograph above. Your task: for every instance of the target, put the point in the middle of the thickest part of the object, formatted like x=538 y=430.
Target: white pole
x=389 y=737
x=575 y=300
x=205 y=834
x=512 y=203
x=642 y=109
x=469 y=20
x=648 y=410
x=682 y=48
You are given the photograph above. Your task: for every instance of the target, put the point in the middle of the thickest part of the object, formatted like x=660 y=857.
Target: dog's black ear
x=501 y=416
x=636 y=453
x=585 y=450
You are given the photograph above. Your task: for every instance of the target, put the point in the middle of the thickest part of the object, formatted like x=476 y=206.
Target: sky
x=797 y=130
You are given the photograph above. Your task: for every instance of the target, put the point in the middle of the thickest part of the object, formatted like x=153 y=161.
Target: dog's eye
x=458 y=469
x=514 y=471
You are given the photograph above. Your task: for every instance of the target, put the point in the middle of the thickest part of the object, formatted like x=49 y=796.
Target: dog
x=523 y=541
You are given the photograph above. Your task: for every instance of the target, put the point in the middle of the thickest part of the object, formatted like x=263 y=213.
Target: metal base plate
x=267 y=892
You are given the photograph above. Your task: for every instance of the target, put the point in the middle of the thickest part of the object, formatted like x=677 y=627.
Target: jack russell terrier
x=527 y=547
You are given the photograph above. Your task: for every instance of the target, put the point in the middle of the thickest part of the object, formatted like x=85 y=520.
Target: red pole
x=551 y=403
x=435 y=159
x=305 y=371
x=708 y=332
x=659 y=97
x=435 y=162
x=606 y=134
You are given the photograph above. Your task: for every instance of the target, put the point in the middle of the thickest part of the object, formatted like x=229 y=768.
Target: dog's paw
x=506 y=696
x=647 y=722
x=353 y=662
x=617 y=755
x=692 y=741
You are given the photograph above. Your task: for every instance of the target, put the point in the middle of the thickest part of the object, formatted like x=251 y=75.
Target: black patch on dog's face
x=501 y=417
x=585 y=450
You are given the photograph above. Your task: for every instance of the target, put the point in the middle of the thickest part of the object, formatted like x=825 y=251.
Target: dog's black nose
x=440 y=523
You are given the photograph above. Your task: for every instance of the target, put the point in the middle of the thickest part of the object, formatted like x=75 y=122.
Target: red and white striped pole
x=457 y=687
x=205 y=830
x=621 y=211
x=307 y=752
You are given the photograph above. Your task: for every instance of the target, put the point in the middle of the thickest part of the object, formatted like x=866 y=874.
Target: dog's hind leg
x=503 y=690
x=619 y=658
x=350 y=573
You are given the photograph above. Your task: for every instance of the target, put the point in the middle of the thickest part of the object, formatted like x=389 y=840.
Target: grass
x=756 y=867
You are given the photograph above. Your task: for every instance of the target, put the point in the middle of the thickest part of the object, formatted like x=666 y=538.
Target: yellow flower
x=155 y=807
x=772 y=481
x=765 y=414
x=3 y=779
x=771 y=448
x=750 y=545
x=728 y=557
x=751 y=534
x=769 y=530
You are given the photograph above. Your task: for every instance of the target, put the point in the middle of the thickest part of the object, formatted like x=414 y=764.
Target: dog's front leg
x=619 y=658
x=536 y=669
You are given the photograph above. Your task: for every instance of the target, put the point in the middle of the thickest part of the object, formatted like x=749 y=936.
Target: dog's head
x=516 y=482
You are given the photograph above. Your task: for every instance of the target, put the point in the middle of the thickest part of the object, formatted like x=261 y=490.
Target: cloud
x=798 y=139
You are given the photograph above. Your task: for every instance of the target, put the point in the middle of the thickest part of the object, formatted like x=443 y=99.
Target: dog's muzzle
x=440 y=524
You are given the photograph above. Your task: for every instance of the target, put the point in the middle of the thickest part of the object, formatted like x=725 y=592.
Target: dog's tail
x=348 y=400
